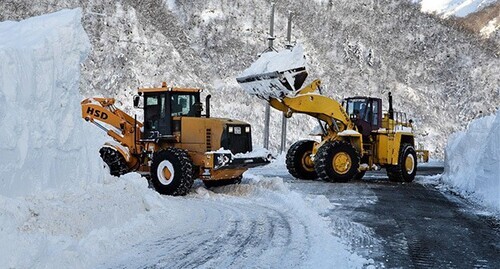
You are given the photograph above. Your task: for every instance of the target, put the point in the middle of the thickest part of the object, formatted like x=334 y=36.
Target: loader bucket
x=275 y=74
x=274 y=84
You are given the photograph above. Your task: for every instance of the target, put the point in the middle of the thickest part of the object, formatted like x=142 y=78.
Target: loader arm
x=306 y=101
x=103 y=110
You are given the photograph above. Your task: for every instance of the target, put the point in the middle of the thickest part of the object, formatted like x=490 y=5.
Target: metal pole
x=289 y=31
x=283 y=133
x=271 y=36
x=283 y=118
x=267 y=115
x=266 y=126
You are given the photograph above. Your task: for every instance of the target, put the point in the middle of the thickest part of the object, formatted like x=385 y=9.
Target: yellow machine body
x=343 y=139
x=172 y=120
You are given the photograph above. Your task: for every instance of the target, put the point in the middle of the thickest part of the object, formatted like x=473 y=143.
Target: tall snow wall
x=472 y=161
x=44 y=143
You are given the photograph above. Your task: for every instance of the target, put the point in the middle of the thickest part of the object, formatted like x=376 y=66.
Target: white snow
x=317 y=130
x=472 y=161
x=273 y=61
x=110 y=223
x=45 y=143
x=57 y=210
x=348 y=133
x=258 y=152
x=490 y=28
x=459 y=8
x=210 y=15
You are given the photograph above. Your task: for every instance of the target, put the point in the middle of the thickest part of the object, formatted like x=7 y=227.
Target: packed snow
x=472 y=161
x=272 y=61
x=283 y=62
x=59 y=210
x=105 y=225
x=45 y=143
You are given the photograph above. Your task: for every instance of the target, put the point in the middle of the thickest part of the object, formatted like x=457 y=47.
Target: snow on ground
x=57 y=210
x=230 y=226
x=472 y=161
x=459 y=8
x=44 y=141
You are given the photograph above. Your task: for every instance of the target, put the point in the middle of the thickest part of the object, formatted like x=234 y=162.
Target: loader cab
x=365 y=112
x=164 y=108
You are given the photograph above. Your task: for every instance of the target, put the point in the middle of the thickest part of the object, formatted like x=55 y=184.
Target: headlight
x=230 y=129
x=247 y=129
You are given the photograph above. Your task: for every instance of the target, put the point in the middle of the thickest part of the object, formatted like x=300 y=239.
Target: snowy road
x=242 y=232
x=411 y=225
x=257 y=224
x=263 y=226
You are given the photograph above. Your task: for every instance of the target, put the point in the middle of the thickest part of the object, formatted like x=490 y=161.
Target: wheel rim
x=341 y=163
x=409 y=164
x=165 y=172
x=307 y=162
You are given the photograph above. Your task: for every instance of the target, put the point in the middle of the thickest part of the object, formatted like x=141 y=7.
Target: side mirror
x=137 y=99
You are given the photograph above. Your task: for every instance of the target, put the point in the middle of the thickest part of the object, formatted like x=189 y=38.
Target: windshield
x=356 y=107
x=183 y=104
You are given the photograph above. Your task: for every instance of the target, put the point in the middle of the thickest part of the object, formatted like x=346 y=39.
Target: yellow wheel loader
x=176 y=143
x=356 y=135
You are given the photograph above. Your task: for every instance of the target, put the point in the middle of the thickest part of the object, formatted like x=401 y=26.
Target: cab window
x=183 y=104
x=356 y=108
x=375 y=113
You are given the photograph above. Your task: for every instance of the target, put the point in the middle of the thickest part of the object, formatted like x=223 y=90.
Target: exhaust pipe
x=391 y=111
x=207 y=105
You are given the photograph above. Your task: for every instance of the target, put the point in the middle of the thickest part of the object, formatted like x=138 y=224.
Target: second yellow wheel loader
x=176 y=143
x=356 y=135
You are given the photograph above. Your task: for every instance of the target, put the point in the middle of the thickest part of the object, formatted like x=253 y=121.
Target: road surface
x=413 y=225
x=397 y=225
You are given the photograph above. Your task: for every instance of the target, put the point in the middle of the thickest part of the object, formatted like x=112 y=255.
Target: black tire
x=338 y=150
x=406 y=169
x=181 y=178
x=114 y=160
x=360 y=175
x=298 y=160
x=222 y=182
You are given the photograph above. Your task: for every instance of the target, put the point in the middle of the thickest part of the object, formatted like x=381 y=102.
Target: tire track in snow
x=235 y=233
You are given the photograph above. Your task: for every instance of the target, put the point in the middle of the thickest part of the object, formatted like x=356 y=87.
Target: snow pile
x=44 y=141
x=272 y=61
x=472 y=161
x=459 y=8
x=76 y=229
x=262 y=78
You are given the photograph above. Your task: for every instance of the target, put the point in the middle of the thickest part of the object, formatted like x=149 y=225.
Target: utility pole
x=270 y=39
x=283 y=118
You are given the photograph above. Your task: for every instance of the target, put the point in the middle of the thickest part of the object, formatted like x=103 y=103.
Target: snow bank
x=44 y=143
x=472 y=161
x=78 y=228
